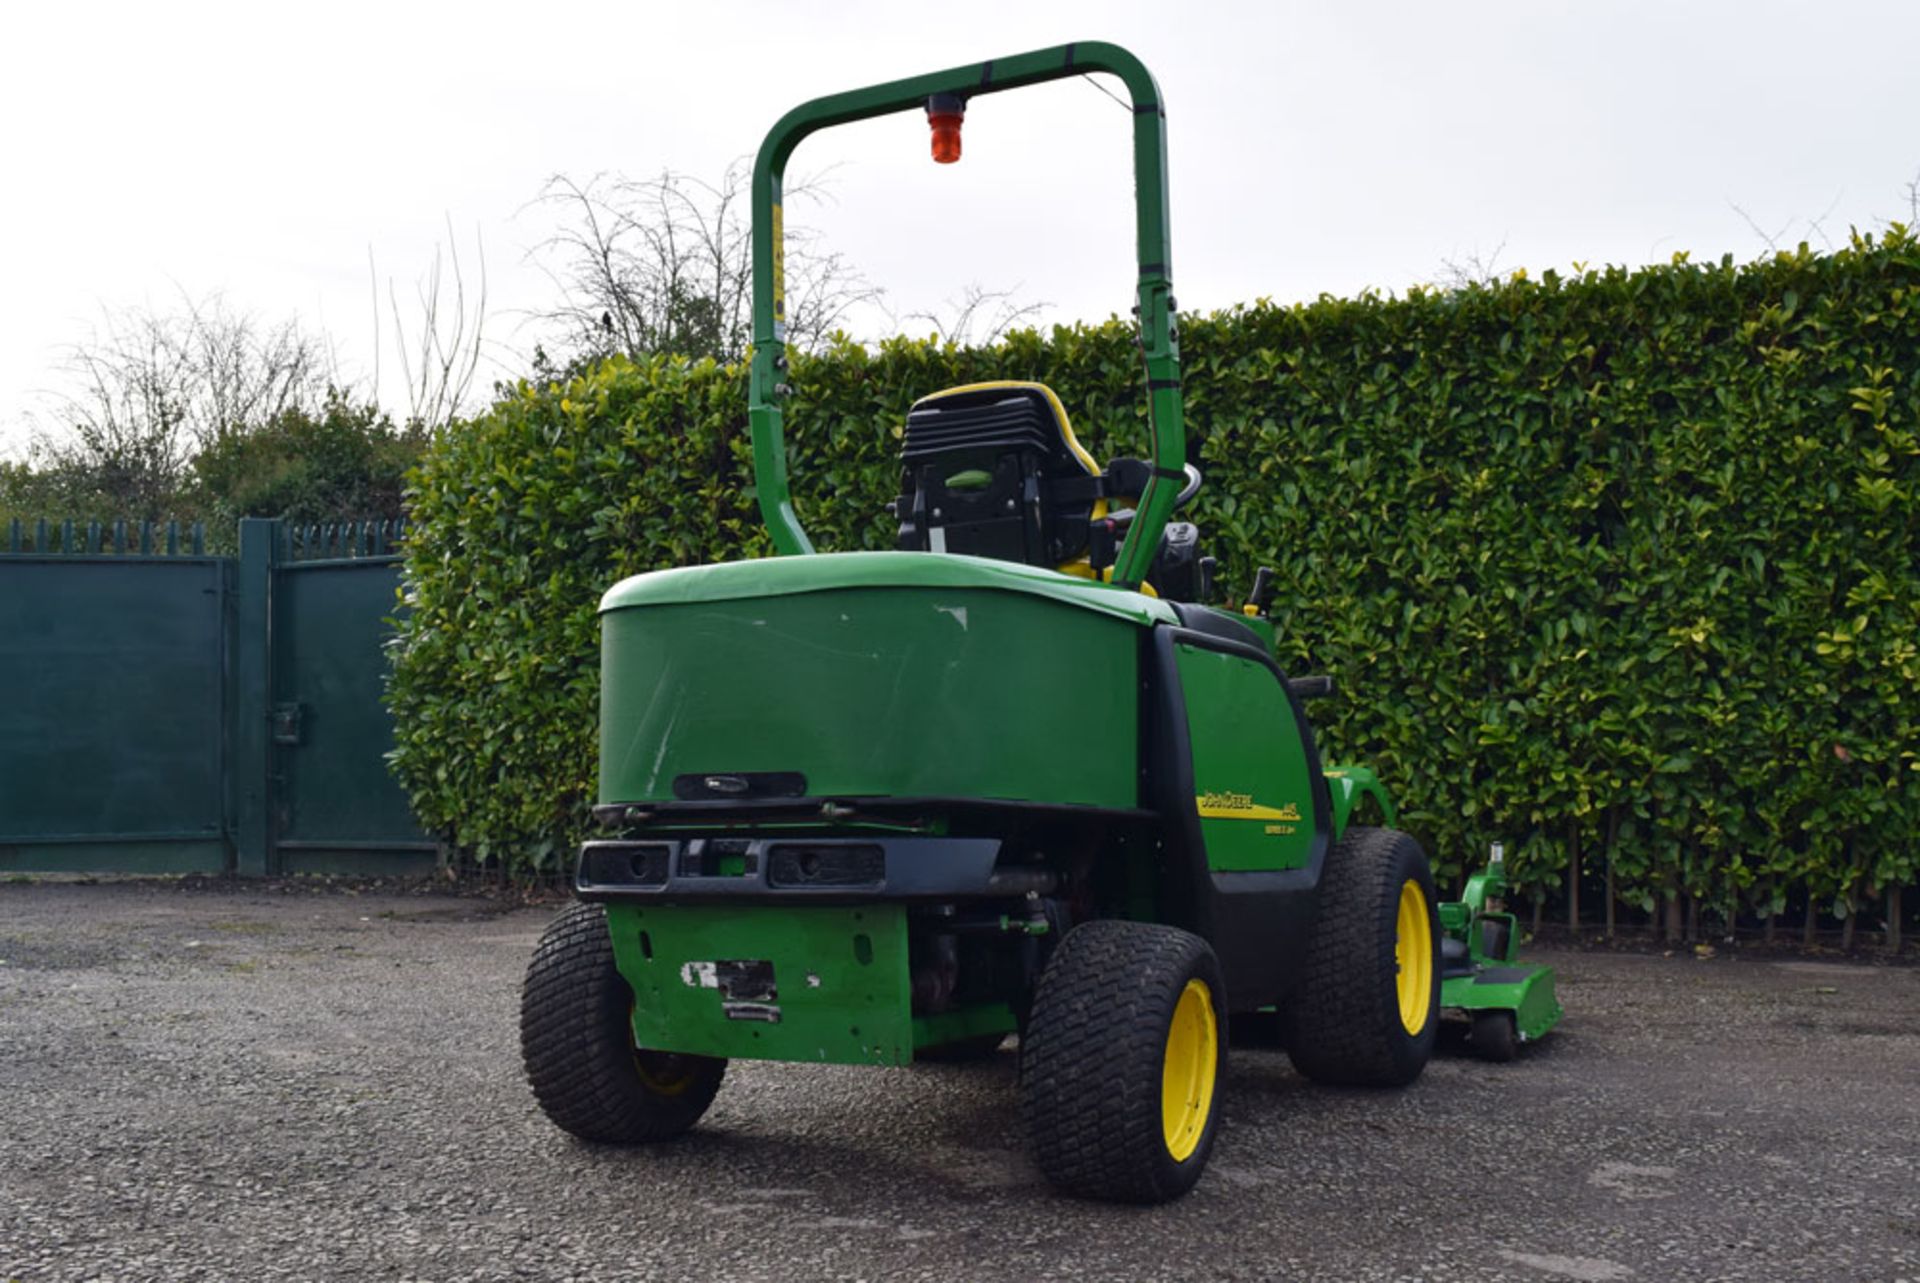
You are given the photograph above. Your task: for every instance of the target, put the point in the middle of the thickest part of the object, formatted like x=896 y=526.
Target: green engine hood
x=826 y=572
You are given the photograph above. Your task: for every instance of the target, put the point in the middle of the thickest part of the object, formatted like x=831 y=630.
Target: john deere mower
x=1018 y=776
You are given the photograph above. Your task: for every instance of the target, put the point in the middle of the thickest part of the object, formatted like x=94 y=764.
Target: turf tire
x=576 y=1039
x=1093 y=1056
x=1344 y=1023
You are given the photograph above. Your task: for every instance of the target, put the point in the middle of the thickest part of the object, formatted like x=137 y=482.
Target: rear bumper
x=790 y=870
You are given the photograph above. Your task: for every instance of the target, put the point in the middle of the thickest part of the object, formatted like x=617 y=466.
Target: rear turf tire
x=1354 y=1021
x=576 y=1039
x=1121 y=1062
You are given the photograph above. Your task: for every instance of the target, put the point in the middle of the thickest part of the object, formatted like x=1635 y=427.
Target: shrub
x=1616 y=567
x=304 y=466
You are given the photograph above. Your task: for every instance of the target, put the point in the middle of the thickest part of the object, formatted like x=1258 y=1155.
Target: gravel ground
x=217 y=1083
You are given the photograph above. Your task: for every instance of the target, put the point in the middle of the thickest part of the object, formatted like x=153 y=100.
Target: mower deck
x=1526 y=991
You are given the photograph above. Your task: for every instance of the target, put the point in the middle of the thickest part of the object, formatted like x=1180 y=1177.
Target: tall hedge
x=1618 y=567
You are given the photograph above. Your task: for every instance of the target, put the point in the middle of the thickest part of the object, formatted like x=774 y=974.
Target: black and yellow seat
x=994 y=470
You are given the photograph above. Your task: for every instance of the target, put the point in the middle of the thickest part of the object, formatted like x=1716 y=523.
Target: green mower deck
x=1507 y=1003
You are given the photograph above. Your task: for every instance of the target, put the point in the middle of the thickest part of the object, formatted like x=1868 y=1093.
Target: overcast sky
x=266 y=151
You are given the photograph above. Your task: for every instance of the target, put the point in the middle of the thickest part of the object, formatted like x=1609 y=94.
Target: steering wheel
x=1125 y=516
x=1189 y=490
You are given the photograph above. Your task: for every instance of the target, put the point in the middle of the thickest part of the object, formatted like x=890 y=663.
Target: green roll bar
x=766 y=382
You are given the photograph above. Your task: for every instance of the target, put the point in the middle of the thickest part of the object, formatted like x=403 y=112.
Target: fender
x=1346 y=786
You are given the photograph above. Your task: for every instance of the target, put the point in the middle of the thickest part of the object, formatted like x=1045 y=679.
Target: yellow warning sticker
x=779 y=267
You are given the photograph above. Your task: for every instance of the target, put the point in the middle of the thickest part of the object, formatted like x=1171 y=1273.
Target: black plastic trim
x=1185 y=898
x=1215 y=622
x=811 y=810
x=1256 y=921
x=917 y=868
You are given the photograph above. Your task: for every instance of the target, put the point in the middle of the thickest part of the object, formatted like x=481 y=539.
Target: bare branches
x=1770 y=239
x=154 y=389
x=1471 y=268
x=666 y=265
x=1815 y=226
x=978 y=306
x=441 y=362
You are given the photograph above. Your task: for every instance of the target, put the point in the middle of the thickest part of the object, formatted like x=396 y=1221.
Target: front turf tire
x=1122 y=1060
x=1367 y=1011
x=576 y=1039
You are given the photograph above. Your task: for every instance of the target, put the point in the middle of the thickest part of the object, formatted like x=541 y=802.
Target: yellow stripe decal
x=1241 y=806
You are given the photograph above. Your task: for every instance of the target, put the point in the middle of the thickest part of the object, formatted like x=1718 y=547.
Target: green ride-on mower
x=1018 y=776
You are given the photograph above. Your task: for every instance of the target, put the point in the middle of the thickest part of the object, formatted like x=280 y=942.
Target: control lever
x=1265 y=585
x=1207 y=566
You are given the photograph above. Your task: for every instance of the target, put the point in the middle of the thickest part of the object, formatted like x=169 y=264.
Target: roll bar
x=767 y=385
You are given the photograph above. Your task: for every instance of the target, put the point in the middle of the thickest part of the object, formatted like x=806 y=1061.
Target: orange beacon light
x=944 y=114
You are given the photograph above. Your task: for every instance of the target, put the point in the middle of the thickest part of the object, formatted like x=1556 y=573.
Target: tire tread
x=1344 y=1018
x=577 y=1048
x=1091 y=1060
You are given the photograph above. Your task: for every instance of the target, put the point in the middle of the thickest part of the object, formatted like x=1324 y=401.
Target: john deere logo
x=1241 y=806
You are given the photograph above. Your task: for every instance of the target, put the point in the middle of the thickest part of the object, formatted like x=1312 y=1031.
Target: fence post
x=251 y=782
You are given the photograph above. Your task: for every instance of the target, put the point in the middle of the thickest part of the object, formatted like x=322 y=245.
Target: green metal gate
x=112 y=719
x=167 y=711
x=335 y=806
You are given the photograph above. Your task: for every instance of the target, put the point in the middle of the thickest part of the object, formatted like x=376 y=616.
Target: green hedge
x=1621 y=563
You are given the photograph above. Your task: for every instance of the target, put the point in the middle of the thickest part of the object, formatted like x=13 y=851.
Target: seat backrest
x=994 y=470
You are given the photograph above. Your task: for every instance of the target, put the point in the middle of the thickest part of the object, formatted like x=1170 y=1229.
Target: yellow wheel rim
x=660 y=1072
x=1413 y=957
x=1186 y=1079
x=664 y=1081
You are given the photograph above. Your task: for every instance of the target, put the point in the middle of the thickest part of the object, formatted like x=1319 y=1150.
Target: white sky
x=265 y=150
